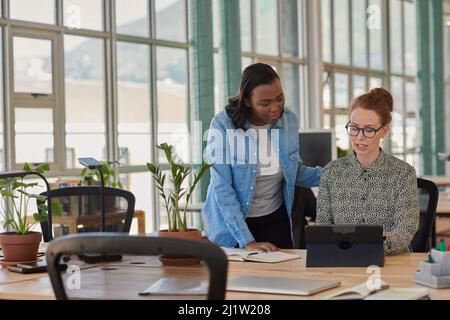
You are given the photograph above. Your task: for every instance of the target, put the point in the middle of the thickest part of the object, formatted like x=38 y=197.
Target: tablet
x=344 y=246
x=288 y=286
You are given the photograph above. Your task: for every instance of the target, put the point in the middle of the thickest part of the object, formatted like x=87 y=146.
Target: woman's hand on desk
x=258 y=246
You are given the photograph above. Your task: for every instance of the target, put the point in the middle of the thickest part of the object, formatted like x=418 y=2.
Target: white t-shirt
x=268 y=195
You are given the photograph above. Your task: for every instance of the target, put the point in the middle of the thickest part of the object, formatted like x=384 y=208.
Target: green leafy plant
x=341 y=153
x=16 y=198
x=109 y=175
x=173 y=196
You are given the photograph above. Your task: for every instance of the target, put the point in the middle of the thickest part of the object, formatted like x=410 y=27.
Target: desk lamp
x=94 y=164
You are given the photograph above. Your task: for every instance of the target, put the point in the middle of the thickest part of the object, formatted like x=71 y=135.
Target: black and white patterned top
x=384 y=194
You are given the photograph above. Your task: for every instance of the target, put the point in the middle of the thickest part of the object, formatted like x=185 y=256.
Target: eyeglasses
x=367 y=132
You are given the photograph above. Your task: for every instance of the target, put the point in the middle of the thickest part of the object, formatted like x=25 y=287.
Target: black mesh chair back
x=81 y=211
x=304 y=206
x=428 y=200
x=110 y=243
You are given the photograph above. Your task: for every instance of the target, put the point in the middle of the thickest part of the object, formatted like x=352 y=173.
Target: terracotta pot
x=20 y=248
x=191 y=234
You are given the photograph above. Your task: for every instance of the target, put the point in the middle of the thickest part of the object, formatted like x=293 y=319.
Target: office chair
x=111 y=243
x=304 y=206
x=81 y=206
x=428 y=199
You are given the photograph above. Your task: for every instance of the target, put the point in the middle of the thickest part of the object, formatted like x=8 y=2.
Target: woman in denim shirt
x=254 y=148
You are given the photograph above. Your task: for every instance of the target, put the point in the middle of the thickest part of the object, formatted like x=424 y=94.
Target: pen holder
x=435 y=274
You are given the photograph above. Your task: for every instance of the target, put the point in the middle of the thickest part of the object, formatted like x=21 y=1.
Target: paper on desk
x=234 y=254
x=399 y=294
x=177 y=286
x=360 y=291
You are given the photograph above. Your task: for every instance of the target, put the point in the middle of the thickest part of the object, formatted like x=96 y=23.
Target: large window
x=32 y=93
x=358 y=57
x=171 y=20
x=32 y=69
x=341 y=32
x=42 y=11
x=84 y=98
x=94 y=84
x=447 y=83
x=84 y=14
x=33 y=124
x=266 y=30
x=172 y=100
x=272 y=32
x=404 y=136
x=133 y=20
x=133 y=93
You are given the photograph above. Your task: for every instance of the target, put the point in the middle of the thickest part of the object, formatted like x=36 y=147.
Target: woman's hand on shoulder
x=261 y=246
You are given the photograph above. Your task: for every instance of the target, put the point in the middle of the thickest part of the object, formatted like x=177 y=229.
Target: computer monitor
x=317 y=147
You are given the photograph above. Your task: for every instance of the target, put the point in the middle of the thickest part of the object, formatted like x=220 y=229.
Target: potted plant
x=174 y=196
x=341 y=153
x=92 y=177
x=109 y=175
x=20 y=244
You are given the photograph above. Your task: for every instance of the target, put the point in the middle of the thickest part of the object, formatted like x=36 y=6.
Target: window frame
x=278 y=60
x=110 y=38
x=369 y=72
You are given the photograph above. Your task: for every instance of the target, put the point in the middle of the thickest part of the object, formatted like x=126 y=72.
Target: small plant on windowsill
x=342 y=153
x=21 y=244
x=92 y=176
x=175 y=195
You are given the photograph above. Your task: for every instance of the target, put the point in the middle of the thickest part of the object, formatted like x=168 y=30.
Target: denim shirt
x=233 y=175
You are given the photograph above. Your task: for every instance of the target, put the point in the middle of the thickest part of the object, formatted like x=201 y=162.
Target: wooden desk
x=125 y=279
x=443 y=207
x=442 y=214
x=88 y=220
x=441 y=181
x=140 y=216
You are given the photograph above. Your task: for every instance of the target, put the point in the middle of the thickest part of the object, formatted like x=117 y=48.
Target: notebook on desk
x=242 y=255
x=358 y=292
x=176 y=286
x=287 y=286
x=383 y=292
